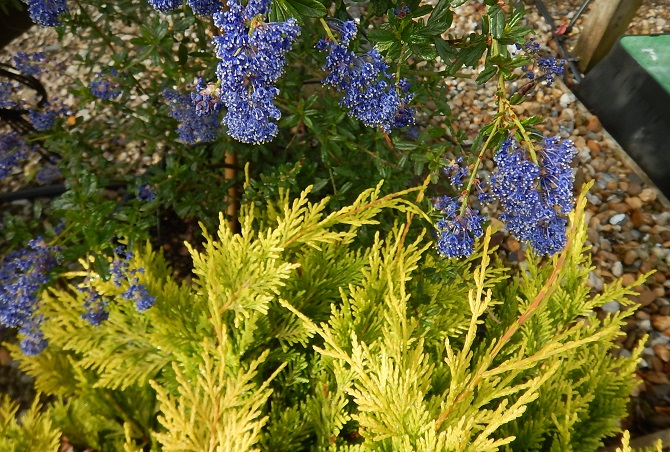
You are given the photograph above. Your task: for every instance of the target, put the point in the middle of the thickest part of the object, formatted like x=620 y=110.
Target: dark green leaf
x=497 y=17
x=440 y=12
x=306 y=8
x=101 y=266
x=486 y=74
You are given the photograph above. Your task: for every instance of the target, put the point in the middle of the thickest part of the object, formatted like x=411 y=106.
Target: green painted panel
x=652 y=52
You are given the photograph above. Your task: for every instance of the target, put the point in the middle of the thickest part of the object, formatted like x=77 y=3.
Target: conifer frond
x=34 y=431
x=221 y=412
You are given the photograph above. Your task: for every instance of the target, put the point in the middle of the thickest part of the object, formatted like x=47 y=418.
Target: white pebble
x=611 y=307
x=567 y=99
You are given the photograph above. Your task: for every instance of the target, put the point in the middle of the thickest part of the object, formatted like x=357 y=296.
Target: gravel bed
x=629 y=219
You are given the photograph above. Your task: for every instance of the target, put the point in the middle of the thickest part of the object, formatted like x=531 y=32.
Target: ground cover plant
x=351 y=297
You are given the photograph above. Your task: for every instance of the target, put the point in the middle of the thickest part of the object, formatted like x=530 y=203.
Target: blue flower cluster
x=45 y=12
x=552 y=68
x=95 y=307
x=193 y=128
x=535 y=196
x=369 y=92
x=146 y=193
x=29 y=63
x=199 y=7
x=252 y=53
x=105 y=87
x=22 y=275
x=121 y=272
x=7 y=98
x=96 y=304
x=13 y=151
x=457 y=233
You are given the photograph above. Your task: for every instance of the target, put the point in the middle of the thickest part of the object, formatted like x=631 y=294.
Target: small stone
x=593 y=146
x=595 y=282
x=642 y=315
x=644 y=325
x=567 y=99
x=628 y=278
x=658 y=339
x=656 y=377
x=634 y=189
x=611 y=307
x=593 y=124
x=617 y=269
x=662 y=352
x=618 y=219
x=513 y=244
x=634 y=202
x=630 y=257
x=5 y=357
x=648 y=195
x=645 y=298
x=660 y=322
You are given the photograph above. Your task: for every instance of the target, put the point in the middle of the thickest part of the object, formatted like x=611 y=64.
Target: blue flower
x=252 y=54
x=45 y=12
x=457 y=172
x=140 y=295
x=146 y=193
x=13 y=151
x=26 y=63
x=42 y=120
x=165 y=5
x=22 y=274
x=192 y=128
x=47 y=174
x=7 y=95
x=457 y=233
x=105 y=87
x=205 y=7
x=96 y=307
x=369 y=92
x=551 y=68
x=534 y=195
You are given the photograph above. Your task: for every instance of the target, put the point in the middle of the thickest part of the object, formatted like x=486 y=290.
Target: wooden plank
x=606 y=21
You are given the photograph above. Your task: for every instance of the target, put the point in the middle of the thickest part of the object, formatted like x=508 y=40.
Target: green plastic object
x=652 y=52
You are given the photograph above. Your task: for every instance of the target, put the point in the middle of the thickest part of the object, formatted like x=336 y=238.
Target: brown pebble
x=5 y=357
x=639 y=218
x=664 y=310
x=513 y=244
x=618 y=207
x=629 y=257
x=645 y=298
x=659 y=277
x=648 y=265
x=656 y=363
x=634 y=189
x=628 y=279
x=648 y=195
x=660 y=322
x=662 y=352
x=642 y=315
x=593 y=146
x=593 y=124
x=634 y=202
x=658 y=378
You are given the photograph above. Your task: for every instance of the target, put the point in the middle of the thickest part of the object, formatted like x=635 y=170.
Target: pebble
x=648 y=195
x=618 y=219
x=660 y=322
x=595 y=281
x=611 y=307
x=662 y=352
